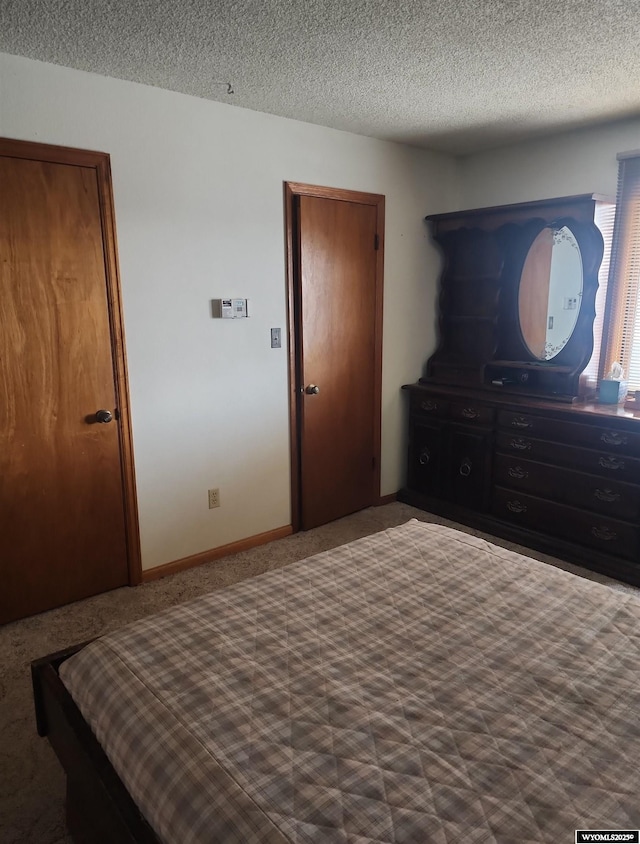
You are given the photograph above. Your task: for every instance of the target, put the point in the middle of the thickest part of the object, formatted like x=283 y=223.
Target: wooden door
x=533 y=293
x=67 y=513
x=337 y=308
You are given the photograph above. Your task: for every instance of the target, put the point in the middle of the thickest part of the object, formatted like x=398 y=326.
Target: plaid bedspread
x=416 y=686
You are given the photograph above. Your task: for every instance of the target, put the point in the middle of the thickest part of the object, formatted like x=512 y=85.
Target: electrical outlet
x=214 y=498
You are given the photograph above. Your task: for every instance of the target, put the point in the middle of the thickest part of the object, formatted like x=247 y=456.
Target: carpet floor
x=31 y=780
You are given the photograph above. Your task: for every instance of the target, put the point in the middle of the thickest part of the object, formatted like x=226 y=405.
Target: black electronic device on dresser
x=503 y=435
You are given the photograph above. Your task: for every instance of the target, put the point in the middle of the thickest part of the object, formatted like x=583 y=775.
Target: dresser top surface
x=510 y=400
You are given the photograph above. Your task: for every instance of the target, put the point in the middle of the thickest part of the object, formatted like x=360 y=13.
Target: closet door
x=65 y=479
x=337 y=337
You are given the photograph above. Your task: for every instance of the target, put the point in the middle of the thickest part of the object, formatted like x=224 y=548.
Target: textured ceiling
x=456 y=76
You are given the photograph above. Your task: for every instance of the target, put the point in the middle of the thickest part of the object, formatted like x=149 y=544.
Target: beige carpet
x=31 y=780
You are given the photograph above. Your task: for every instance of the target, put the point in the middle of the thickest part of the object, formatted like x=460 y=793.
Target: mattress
x=418 y=685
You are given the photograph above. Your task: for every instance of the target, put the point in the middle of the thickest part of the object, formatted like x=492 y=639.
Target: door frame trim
x=101 y=163
x=292 y=192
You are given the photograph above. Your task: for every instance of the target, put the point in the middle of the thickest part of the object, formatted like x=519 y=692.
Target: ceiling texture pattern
x=456 y=76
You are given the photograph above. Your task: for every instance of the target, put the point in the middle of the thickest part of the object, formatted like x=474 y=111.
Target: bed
x=418 y=685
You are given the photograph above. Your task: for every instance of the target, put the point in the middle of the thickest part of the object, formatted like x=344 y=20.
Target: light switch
x=276 y=339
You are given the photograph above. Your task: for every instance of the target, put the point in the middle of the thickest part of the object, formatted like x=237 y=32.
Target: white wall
x=199 y=214
x=572 y=163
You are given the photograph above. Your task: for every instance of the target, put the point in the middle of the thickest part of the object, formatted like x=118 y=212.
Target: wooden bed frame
x=100 y=810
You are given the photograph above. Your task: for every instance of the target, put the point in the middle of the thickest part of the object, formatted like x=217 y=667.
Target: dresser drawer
x=593 y=530
x=600 y=437
x=614 y=466
x=429 y=406
x=472 y=413
x=610 y=497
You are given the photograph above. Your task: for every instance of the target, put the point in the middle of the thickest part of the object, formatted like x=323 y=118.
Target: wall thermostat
x=230 y=308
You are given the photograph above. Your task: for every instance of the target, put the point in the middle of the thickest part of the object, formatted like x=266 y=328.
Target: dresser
x=561 y=479
x=505 y=434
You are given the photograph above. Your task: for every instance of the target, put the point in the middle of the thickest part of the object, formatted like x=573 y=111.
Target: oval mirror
x=550 y=292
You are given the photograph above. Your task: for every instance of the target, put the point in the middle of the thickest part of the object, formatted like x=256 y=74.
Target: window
x=604 y=218
x=621 y=334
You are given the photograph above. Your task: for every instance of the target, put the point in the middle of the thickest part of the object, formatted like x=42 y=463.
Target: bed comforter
x=419 y=685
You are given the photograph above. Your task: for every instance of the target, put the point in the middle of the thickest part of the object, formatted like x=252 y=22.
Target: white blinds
x=623 y=306
x=604 y=219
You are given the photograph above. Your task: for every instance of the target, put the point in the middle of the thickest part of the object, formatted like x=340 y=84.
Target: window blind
x=604 y=219
x=623 y=302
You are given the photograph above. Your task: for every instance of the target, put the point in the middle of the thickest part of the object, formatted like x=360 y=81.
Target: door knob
x=104 y=416
x=313 y=390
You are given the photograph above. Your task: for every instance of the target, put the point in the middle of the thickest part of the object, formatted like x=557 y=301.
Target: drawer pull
x=613 y=438
x=610 y=462
x=520 y=444
x=470 y=413
x=516 y=506
x=521 y=422
x=429 y=405
x=518 y=472
x=606 y=495
x=425 y=457
x=465 y=468
x=604 y=533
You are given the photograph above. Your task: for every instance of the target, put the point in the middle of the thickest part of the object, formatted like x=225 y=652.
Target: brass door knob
x=313 y=390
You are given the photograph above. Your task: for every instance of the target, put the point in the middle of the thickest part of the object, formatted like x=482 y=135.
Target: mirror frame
x=517 y=241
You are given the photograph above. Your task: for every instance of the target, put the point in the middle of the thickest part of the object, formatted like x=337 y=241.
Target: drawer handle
x=516 y=506
x=604 y=533
x=521 y=422
x=470 y=413
x=606 y=495
x=613 y=438
x=520 y=444
x=429 y=405
x=610 y=462
x=425 y=457
x=465 y=468
x=518 y=472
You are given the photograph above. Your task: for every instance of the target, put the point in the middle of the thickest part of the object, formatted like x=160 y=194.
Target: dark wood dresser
x=564 y=479
x=501 y=434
